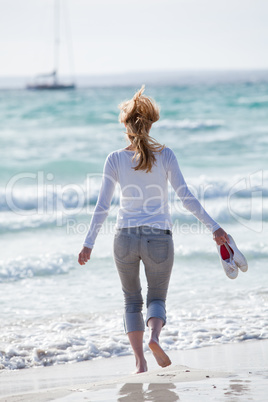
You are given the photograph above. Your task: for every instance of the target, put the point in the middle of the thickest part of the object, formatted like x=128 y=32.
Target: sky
x=116 y=36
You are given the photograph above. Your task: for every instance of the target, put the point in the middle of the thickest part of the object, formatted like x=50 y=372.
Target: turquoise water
x=52 y=149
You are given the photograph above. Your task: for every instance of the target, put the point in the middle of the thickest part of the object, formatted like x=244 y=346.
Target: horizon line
x=162 y=71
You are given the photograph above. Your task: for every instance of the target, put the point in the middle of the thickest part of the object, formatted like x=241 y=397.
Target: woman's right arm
x=101 y=210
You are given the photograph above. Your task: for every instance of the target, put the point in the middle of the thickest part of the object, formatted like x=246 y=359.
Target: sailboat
x=50 y=81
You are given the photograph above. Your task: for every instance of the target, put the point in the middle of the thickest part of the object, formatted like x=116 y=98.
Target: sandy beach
x=232 y=372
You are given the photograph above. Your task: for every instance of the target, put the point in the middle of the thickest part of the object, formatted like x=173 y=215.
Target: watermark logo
x=251 y=189
x=241 y=202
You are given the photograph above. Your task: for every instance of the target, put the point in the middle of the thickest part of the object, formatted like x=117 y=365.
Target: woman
x=144 y=225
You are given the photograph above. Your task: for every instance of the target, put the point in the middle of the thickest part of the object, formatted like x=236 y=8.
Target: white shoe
x=227 y=260
x=239 y=259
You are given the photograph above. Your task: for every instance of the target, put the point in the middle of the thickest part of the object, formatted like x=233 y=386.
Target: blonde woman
x=144 y=225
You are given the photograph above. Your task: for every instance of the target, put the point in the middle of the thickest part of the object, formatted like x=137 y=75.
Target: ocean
x=52 y=149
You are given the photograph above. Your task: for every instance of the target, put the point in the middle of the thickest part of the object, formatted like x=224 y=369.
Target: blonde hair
x=138 y=114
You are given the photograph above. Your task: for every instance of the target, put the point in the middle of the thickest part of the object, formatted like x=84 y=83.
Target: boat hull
x=52 y=87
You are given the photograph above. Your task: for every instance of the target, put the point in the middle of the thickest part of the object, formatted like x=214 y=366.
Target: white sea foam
x=48 y=196
x=18 y=268
x=11 y=222
x=78 y=338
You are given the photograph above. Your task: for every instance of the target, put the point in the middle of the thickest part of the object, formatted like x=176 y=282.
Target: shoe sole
x=243 y=266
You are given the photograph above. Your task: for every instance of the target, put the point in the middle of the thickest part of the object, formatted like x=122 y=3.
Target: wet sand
x=231 y=372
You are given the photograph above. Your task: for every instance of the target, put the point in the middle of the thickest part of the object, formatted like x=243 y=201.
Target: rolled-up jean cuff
x=156 y=309
x=133 y=322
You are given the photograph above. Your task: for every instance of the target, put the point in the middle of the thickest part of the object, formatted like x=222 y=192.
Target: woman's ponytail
x=138 y=115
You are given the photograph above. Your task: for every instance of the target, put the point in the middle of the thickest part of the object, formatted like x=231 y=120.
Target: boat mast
x=56 y=39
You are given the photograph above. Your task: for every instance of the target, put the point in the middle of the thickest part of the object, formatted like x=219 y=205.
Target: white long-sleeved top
x=143 y=196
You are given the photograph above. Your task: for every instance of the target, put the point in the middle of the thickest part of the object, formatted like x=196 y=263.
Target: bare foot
x=161 y=357
x=141 y=367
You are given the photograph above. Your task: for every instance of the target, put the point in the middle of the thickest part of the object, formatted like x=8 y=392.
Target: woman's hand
x=84 y=255
x=220 y=236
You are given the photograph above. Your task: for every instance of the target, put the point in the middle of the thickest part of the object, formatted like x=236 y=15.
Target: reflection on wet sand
x=152 y=392
x=237 y=387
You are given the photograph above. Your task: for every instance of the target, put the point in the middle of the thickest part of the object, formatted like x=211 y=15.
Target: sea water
x=52 y=149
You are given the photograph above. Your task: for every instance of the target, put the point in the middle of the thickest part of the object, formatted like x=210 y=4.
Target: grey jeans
x=155 y=248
